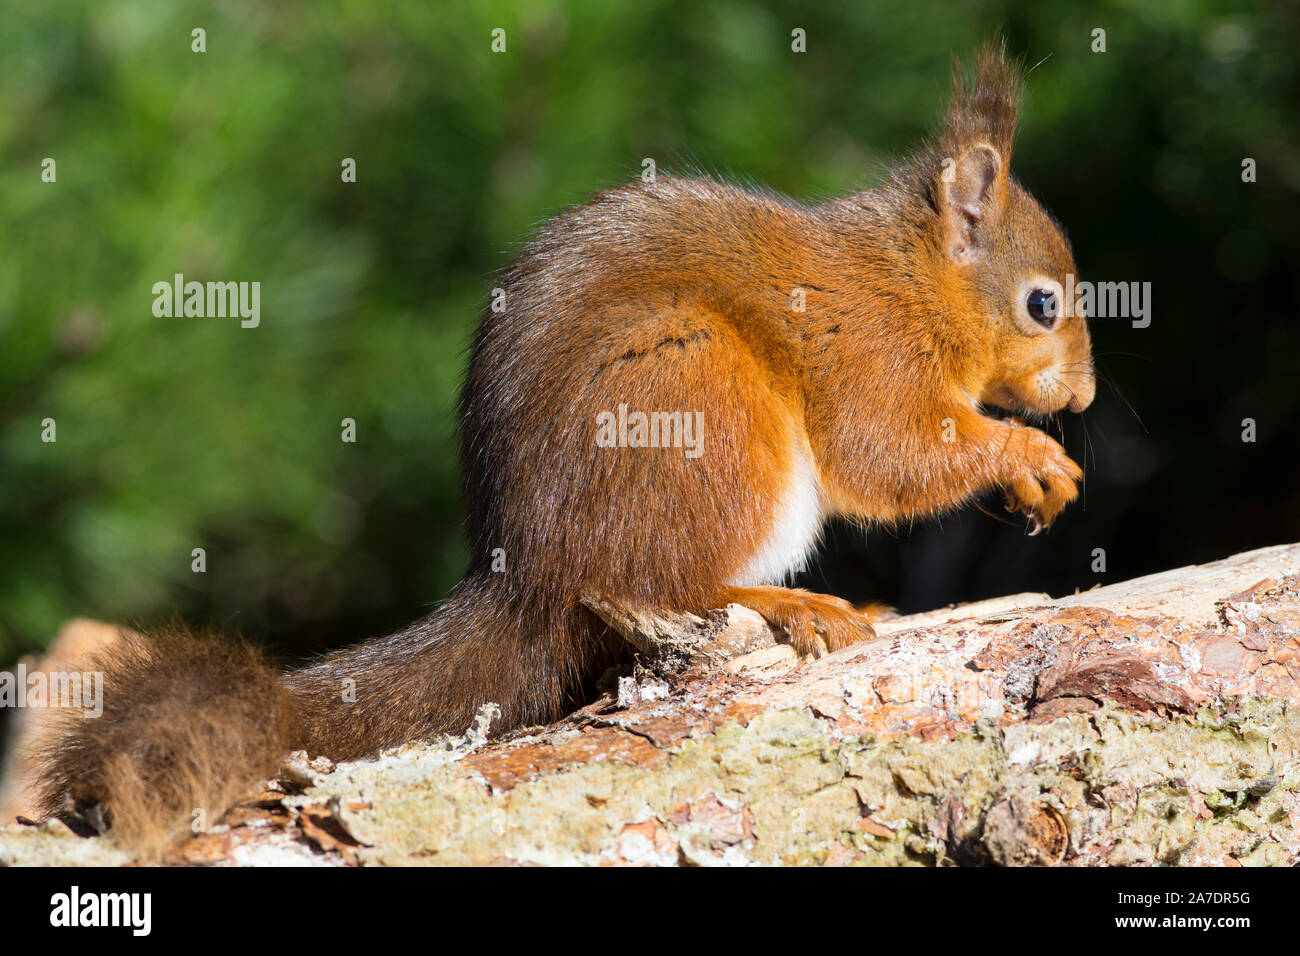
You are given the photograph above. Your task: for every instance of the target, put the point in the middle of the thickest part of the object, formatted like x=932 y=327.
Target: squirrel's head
x=1004 y=260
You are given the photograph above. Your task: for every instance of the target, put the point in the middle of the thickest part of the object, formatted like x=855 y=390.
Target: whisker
x=1145 y=358
x=1102 y=376
x=1083 y=494
x=1115 y=388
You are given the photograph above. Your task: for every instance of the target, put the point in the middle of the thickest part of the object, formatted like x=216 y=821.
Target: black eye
x=1041 y=305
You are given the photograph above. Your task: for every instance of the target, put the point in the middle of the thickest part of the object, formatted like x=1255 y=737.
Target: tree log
x=1153 y=721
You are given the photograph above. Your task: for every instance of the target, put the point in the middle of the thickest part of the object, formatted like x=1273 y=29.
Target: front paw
x=1042 y=480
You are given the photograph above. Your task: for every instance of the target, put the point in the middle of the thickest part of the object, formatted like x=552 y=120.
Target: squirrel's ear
x=972 y=194
x=975 y=145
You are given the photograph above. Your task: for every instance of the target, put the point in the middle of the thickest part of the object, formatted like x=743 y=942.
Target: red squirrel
x=797 y=361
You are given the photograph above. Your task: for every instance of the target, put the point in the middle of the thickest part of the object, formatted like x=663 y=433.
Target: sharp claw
x=1035 y=525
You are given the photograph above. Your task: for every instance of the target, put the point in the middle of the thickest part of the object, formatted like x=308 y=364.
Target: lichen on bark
x=1151 y=722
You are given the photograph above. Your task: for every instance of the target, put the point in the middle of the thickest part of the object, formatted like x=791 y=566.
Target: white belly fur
x=796 y=527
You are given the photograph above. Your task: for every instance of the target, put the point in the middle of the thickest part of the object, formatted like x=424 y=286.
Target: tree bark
x=1153 y=721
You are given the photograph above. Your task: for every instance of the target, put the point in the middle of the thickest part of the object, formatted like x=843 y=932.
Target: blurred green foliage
x=225 y=165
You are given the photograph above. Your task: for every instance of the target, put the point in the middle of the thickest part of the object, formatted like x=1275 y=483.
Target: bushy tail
x=194 y=722
x=485 y=643
x=189 y=725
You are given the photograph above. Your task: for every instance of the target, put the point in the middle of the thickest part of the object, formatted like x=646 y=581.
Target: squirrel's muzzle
x=1082 y=390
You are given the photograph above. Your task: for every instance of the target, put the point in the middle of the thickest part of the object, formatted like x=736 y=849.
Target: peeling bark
x=1153 y=721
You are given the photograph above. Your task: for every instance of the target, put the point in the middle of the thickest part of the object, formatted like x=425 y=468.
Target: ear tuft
x=986 y=106
x=974 y=150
